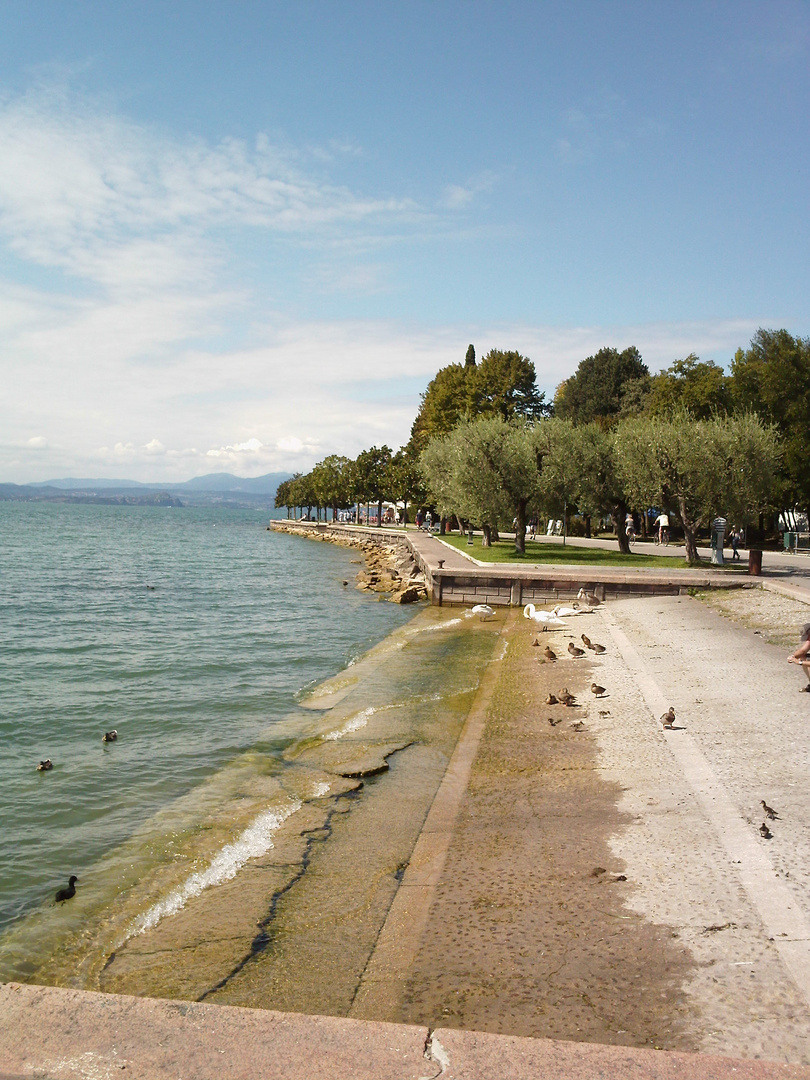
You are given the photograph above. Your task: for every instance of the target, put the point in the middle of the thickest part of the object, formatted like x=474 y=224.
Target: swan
x=561 y=611
x=484 y=610
x=547 y=619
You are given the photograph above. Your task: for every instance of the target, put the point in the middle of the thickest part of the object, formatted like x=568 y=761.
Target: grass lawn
x=537 y=552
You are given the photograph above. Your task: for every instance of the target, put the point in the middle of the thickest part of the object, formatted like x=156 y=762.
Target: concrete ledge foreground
x=55 y=1034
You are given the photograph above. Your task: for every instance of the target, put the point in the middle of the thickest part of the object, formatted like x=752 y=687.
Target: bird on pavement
x=567 y=699
x=765 y=832
x=574 y=650
x=586 y=640
x=597 y=691
x=590 y=599
x=604 y=712
x=484 y=612
x=69 y=892
x=578 y=726
x=769 y=810
x=550 y=654
x=554 y=722
x=668 y=719
x=551 y=700
x=535 y=644
x=597 y=648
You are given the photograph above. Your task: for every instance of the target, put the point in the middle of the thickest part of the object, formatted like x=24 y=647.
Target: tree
x=701 y=387
x=444 y=404
x=405 y=479
x=333 y=480
x=469 y=359
x=371 y=473
x=505 y=384
x=703 y=467
x=772 y=378
x=597 y=389
x=486 y=470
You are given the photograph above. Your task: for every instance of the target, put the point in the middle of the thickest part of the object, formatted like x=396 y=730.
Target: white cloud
x=38 y=442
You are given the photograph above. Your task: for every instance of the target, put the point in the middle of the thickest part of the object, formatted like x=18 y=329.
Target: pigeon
x=604 y=712
x=69 y=892
x=45 y=766
x=554 y=722
x=109 y=736
x=597 y=648
x=769 y=810
x=668 y=719
x=586 y=640
x=765 y=832
x=550 y=654
x=567 y=699
x=597 y=691
x=578 y=726
x=551 y=700
x=574 y=650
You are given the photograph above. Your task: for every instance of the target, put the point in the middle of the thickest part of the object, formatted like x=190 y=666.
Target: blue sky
x=242 y=236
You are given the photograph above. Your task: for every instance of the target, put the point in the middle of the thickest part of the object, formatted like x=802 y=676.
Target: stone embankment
x=390 y=566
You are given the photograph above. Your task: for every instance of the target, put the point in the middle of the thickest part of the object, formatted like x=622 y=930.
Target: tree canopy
x=602 y=385
x=699 y=386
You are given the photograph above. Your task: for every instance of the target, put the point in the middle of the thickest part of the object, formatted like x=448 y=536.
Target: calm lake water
x=193 y=632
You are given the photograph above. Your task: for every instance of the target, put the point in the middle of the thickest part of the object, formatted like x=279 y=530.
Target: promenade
x=586 y=898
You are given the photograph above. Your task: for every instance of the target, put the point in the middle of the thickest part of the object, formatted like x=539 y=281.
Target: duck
x=597 y=648
x=547 y=619
x=535 y=644
x=574 y=650
x=765 y=832
x=554 y=722
x=567 y=699
x=45 y=766
x=550 y=654
x=590 y=598
x=109 y=736
x=552 y=700
x=69 y=892
x=586 y=641
x=484 y=610
x=597 y=691
x=668 y=719
x=578 y=726
x=769 y=810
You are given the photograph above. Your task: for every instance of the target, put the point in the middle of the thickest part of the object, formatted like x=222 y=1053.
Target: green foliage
x=725 y=465
x=603 y=387
x=772 y=378
x=700 y=387
x=444 y=404
x=469 y=359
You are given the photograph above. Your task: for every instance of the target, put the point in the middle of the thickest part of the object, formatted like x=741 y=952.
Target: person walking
x=735 y=538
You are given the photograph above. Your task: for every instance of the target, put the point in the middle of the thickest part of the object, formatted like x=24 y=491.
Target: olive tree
x=703 y=467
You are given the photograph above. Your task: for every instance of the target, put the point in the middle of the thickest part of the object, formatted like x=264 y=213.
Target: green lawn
x=538 y=552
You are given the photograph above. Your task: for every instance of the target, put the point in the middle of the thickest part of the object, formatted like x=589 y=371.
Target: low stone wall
x=517 y=591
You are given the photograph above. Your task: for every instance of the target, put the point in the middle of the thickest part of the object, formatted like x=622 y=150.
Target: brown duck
x=550 y=654
x=567 y=699
x=551 y=700
x=668 y=719
x=574 y=650
x=597 y=691
x=769 y=810
x=765 y=832
x=586 y=640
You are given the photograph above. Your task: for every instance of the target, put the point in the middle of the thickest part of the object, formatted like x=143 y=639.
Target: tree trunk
x=587 y=525
x=379 y=513
x=487 y=537
x=520 y=528
x=618 y=513
x=404 y=513
x=494 y=534
x=689 y=534
x=443 y=527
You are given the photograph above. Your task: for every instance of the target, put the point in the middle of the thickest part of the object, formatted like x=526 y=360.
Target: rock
x=408 y=596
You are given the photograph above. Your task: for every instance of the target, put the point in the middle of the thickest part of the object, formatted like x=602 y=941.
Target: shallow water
x=192 y=632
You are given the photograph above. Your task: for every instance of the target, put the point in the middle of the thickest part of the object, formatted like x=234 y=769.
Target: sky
x=242 y=236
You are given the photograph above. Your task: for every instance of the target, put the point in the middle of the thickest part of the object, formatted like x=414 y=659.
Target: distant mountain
x=222 y=489
x=256 y=485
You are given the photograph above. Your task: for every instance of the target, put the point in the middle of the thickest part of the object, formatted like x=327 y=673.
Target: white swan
x=560 y=611
x=484 y=610
x=547 y=619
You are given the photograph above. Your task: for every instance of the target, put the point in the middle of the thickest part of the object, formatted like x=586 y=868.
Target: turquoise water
x=191 y=631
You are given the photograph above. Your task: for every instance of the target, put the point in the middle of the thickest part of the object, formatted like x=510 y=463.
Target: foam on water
x=256 y=840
